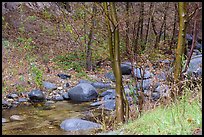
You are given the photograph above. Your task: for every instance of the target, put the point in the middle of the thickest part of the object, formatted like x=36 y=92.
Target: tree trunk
x=148 y=22
x=141 y=20
x=165 y=14
x=193 y=45
x=122 y=107
x=127 y=30
x=89 y=50
x=118 y=75
x=181 y=41
x=174 y=26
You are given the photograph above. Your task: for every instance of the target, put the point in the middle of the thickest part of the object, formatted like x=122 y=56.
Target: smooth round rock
x=16 y=118
x=76 y=124
x=36 y=96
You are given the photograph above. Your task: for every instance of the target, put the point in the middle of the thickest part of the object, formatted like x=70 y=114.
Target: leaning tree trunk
x=181 y=41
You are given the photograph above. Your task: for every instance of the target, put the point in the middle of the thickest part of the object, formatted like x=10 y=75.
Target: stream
x=38 y=121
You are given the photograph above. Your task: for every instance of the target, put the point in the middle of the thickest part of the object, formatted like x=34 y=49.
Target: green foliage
x=20 y=88
x=179 y=118
x=71 y=60
x=27 y=43
x=5 y=43
x=37 y=74
x=32 y=18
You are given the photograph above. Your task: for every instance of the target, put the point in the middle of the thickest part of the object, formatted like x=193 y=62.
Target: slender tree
x=148 y=22
x=174 y=26
x=181 y=40
x=90 y=37
x=113 y=41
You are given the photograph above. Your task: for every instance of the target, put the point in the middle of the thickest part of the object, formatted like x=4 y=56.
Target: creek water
x=38 y=121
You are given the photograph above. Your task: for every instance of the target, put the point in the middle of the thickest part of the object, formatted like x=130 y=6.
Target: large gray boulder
x=101 y=85
x=110 y=76
x=108 y=104
x=195 y=66
x=49 y=85
x=126 y=68
x=36 y=96
x=76 y=124
x=82 y=92
x=138 y=73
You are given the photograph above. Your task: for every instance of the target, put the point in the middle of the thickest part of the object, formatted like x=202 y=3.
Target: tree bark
x=148 y=22
x=181 y=41
x=174 y=26
x=89 y=50
x=122 y=107
x=193 y=45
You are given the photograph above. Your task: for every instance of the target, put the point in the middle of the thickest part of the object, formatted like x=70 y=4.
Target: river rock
x=64 y=76
x=12 y=96
x=108 y=105
x=109 y=96
x=84 y=81
x=162 y=89
x=36 y=96
x=146 y=84
x=58 y=98
x=22 y=100
x=82 y=92
x=16 y=118
x=76 y=124
x=110 y=76
x=155 y=96
x=6 y=104
x=161 y=76
x=49 y=85
x=101 y=85
x=126 y=68
x=138 y=73
x=65 y=96
x=4 y=120
x=195 y=66
x=107 y=92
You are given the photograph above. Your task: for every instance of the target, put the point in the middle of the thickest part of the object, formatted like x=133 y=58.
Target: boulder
x=76 y=124
x=161 y=76
x=110 y=76
x=13 y=96
x=126 y=68
x=107 y=92
x=6 y=104
x=36 y=96
x=49 y=85
x=108 y=105
x=109 y=96
x=162 y=90
x=4 y=120
x=22 y=100
x=155 y=96
x=58 y=98
x=101 y=85
x=65 y=96
x=16 y=118
x=195 y=66
x=146 y=84
x=82 y=92
x=84 y=81
x=138 y=73
x=64 y=76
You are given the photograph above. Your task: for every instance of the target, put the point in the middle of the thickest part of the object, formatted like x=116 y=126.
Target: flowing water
x=39 y=121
